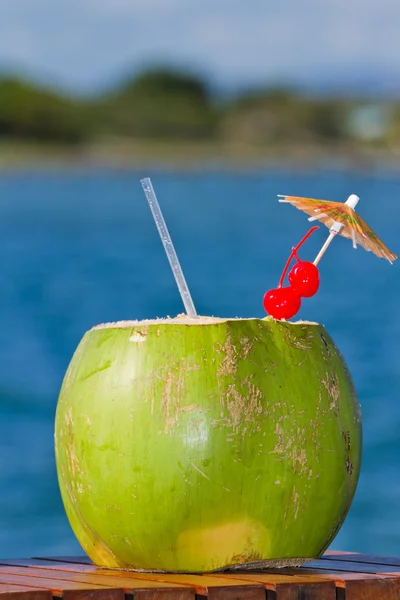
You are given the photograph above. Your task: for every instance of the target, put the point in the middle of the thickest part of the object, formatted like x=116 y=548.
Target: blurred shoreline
x=191 y=156
x=171 y=119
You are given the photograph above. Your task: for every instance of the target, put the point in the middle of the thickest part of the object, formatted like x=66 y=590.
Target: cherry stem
x=294 y=254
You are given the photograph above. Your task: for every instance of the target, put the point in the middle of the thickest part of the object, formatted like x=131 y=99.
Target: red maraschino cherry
x=304 y=279
x=282 y=303
x=285 y=302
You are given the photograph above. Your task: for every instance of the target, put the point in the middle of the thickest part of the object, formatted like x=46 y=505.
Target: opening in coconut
x=183 y=319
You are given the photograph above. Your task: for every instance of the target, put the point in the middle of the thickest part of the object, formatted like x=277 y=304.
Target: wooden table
x=336 y=576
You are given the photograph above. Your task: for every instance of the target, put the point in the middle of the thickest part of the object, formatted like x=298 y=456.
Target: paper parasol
x=341 y=219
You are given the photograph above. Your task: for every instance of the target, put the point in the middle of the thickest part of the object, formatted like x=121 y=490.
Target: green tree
x=281 y=116
x=28 y=112
x=160 y=103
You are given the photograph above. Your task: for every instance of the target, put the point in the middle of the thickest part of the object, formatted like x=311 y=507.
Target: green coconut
x=199 y=445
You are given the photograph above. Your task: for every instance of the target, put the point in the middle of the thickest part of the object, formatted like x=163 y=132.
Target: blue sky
x=86 y=44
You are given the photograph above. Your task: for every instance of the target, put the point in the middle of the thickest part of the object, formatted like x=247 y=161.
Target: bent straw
x=169 y=247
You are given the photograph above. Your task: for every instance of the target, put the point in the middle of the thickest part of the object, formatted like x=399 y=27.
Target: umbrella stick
x=323 y=249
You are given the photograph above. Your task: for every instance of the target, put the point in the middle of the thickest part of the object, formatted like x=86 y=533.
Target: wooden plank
x=85 y=560
x=377 y=589
x=277 y=582
x=27 y=562
x=49 y=564
x=128 y=584
x=167 y=580
x=346 y=565
x=17 y=592
x=336 y=553
x=67 y=589
x=354 y=577
x=284 y=586
x=214 y=588
x=205 y=585
x=274 y=576
x=360 y=586
x=93 y=594
x=363 y=558
x=324 y=573
x=201 y=583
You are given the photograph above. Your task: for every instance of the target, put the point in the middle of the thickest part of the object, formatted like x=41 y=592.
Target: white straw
x=169 y=247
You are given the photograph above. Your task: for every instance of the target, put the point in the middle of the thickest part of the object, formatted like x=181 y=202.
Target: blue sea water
x=80 y=249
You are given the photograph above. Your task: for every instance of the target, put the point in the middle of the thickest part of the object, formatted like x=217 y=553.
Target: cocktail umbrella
x=341 y=219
